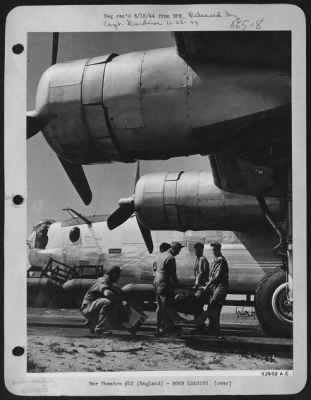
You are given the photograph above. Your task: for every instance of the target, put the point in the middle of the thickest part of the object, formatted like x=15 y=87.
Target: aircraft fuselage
x=97 y=245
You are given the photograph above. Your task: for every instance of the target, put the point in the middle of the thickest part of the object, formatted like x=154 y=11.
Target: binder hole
x=18 y=199
x=18 y=48
x=18 y=351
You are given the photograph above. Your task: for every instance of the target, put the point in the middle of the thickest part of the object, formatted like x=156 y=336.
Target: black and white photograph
x=164 y=202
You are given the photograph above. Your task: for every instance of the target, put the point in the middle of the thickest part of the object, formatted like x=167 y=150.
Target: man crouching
x=103 y=305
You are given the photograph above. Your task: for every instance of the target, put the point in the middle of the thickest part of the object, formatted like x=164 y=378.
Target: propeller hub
x=126 y=201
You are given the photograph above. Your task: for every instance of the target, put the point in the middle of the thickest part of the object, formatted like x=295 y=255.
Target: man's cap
x=164 y=246
x=114 y=270
x=216 y=244
x=199 y=245
x=176 y=245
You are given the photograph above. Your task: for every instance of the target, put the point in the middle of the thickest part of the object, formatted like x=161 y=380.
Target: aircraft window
x=42 y=236
x=74 y=234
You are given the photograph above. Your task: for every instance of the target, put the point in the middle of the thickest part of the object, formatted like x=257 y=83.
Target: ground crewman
x=201 y=277
x=162 y=248
x=103 y=304
x=217 y=289
x=201 y=266
x=165 y=281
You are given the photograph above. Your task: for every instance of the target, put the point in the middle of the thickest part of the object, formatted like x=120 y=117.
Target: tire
x=273 y=314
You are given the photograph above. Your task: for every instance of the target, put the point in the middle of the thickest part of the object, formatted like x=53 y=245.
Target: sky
x=49 y=189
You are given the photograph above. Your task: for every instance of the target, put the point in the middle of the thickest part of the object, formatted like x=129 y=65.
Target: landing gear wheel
x=273 y=308
x=281 y=305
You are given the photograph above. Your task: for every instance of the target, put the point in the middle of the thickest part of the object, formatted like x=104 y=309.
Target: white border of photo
x=20 y=22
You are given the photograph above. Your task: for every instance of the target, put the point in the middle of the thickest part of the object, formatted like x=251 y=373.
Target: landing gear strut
x=289 y=239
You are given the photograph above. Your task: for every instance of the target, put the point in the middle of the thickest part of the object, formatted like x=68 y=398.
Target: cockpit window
x=42 y=234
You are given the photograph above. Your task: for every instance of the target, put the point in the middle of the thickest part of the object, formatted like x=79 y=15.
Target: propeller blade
x=120 y=215
x=55 y=41
x=33 y=125
x=78 y=179
x=137 y=176
x=146 y=234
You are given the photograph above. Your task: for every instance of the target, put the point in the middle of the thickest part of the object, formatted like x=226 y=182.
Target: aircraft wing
x=259 y=128
x=259 y=49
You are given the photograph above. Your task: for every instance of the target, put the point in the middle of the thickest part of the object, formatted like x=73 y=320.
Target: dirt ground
x=61 y=354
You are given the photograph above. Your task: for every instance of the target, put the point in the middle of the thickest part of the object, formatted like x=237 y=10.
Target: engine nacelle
x=149 y=105
x=191 y=201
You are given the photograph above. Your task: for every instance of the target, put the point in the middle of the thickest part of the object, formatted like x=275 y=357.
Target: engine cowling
x=191 y=201
x=150 y=105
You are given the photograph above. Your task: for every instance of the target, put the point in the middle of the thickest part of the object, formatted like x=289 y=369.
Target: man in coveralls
x=201 y=276
x=217 y=289
x=165 y=281
x=103 y=304
x=162 y=249
x=201 y=267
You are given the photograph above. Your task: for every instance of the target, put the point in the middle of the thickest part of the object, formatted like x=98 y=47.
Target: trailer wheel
x=273 y=309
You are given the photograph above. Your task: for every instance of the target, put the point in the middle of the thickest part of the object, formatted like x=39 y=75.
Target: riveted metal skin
x=122 y=102
x=121 y=94
x=191 y=201
x=95 y=115
x=69 y=103
x=150 y=105
x=66 y=129
x=164 y=94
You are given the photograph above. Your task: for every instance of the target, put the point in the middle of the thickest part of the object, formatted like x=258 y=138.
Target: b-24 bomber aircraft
x=226 y=95
x=66 y=256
